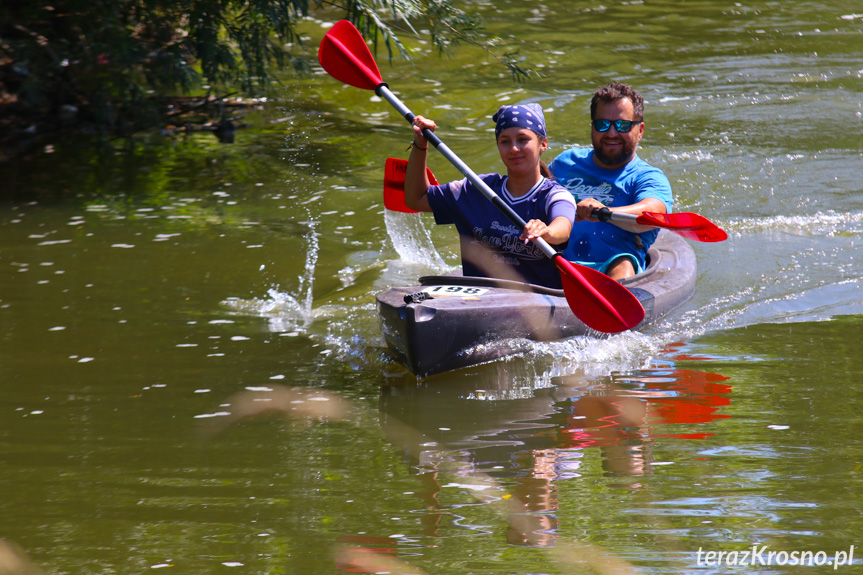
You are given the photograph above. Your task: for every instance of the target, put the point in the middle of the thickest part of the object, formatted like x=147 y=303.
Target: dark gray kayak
x=450 y=322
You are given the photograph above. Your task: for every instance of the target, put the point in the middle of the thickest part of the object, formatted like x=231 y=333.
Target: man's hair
x=618 y=91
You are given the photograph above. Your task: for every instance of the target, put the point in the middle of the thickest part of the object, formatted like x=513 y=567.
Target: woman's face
x=520 y=149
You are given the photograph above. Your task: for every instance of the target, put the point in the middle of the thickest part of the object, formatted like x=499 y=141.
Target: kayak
x=449 y=322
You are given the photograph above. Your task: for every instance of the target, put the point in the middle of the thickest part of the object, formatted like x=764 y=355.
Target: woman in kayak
x=491 y=246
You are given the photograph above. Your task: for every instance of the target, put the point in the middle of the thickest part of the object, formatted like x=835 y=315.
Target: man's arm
x=585 y=208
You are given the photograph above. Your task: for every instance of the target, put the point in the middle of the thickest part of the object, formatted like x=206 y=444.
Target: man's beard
x=621 y=156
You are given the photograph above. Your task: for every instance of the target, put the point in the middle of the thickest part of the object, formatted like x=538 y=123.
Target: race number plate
x=455 y=291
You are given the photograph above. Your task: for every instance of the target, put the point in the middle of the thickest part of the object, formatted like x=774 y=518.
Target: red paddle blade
x=597 y=300
x=345 y=56
x=689 y=225
x=394 y=185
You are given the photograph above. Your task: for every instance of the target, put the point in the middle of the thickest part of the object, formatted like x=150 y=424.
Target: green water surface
x=193 y=378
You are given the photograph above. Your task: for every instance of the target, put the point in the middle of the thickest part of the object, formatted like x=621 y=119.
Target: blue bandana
x=527 y=116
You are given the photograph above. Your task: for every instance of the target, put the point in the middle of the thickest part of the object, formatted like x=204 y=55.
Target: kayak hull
x=449 y=322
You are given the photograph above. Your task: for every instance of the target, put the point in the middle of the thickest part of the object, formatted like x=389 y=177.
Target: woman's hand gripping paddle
x=689 y=225
x=597 y=300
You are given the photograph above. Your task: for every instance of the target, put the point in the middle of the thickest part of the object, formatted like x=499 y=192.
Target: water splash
x=417 y=253
x=284 y=311
x=287 y=312
x=307 y=280
x=349 y=328
x=412 y=241
x=347 y=331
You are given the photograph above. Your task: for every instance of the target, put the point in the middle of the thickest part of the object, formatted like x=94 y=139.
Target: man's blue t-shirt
x=636 y=181
x=482 y=225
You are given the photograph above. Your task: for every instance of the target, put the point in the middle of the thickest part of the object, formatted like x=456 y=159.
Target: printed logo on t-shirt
x=505 y=228
x=602 y=192
x=509 y=242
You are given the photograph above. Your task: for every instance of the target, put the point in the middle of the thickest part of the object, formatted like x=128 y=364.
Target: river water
x=193 y=378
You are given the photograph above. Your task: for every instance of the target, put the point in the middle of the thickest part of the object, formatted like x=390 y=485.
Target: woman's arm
x=416 y=177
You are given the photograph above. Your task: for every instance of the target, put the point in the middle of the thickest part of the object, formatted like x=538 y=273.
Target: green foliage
x=115 y=63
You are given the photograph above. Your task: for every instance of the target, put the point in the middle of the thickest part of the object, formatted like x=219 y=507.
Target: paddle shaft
x=384 y=92
x=606 y=215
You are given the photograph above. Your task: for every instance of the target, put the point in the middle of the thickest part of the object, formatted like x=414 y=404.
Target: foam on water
x=590 y=356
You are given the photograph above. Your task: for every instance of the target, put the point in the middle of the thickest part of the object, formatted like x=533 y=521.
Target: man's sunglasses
x=622 y=126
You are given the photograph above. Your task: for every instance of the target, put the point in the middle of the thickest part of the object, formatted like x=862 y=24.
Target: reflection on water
x=515 y=458
x=523 y=449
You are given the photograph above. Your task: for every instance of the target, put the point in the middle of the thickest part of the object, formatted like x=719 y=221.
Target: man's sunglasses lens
x=621 y=126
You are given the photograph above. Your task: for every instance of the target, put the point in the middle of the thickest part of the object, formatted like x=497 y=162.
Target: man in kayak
x=612 y=175
x=491 y=246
